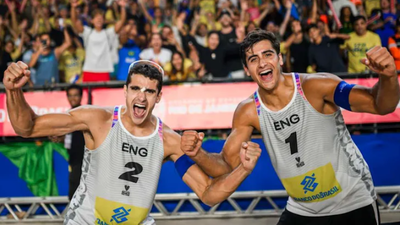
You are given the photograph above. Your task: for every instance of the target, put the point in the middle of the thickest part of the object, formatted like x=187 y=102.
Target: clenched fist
x=249 y=154
x=380 y=61
x=16 y=75
x=191 y=142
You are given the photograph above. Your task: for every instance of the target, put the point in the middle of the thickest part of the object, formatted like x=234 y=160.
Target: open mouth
x=266 y=75
x=139 y=110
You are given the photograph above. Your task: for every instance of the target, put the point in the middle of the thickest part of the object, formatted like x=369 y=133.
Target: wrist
x=243 y=170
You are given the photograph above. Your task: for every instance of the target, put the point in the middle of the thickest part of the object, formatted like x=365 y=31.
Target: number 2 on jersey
x=292 y=140
x=129 y=175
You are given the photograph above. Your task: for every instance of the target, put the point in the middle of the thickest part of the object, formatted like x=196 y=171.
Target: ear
x=246 y=71
x=280 y=59
x=125 y=91
x=158 y=99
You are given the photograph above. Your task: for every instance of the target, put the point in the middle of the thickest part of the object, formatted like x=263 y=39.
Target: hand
x=191 y=142
x=244 y=5
x=380 y=61
x=249 y=154
x=74 y=3
x=16 y=75
x=11 y=6
x=122 y=3
x=288 y=4
x=35 y=3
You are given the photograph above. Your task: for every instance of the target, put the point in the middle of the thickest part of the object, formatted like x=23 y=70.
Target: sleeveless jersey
x=119 y=179
x=315 y=158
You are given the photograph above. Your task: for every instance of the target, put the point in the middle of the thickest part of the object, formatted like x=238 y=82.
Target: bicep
x=57 y=124
x=360 y=98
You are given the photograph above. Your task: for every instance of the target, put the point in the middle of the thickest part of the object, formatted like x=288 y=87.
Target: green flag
x=35 y=164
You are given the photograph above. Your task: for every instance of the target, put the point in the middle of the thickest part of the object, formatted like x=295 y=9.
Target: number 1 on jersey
x=292 y=140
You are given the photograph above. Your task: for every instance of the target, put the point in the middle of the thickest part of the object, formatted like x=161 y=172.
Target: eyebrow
x=264 y=52
x=147 y=89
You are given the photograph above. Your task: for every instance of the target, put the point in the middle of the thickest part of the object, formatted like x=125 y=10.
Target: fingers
x=22 y=65
x=378 y=58
x=191 y=142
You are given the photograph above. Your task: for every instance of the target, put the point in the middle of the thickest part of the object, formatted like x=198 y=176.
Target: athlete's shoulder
x=246 y=113
x=92 y=113
x=171 y=141
x=319 y=83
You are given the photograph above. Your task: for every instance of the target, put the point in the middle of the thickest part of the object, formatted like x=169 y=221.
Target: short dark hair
x=147 y=70
x=75 y=86
x=357 y=18
x=213 y=32
x=312 y=25
x=256 y=36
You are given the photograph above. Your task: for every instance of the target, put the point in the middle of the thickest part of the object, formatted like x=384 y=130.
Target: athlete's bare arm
x=381 y=99
x=27 y=124
x=245 y=119
x=211 y=191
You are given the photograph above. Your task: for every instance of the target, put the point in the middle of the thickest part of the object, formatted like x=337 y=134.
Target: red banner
x=194 y=106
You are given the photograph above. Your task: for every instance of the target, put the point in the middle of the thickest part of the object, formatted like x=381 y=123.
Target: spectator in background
x=298 y=45
x=228 y=36
x=214 y=56
x=199 y=31
x=157 y=22
x=27 y=56
x=371 y=5
x=361 y=40
x=74 y=143
x=347 y=20
x=324 y=54
x=45 y=60
x=130 y=50
x=180 y=68
x=394 y=45
x=5 y=59
x=98 y=43
x=385 y=25
x=71 y=62
x=155 y=52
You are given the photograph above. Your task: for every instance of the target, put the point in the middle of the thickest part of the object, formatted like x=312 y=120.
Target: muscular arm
x=380 y=99
x=217 y=165
x=210 y=191
x=27 y=124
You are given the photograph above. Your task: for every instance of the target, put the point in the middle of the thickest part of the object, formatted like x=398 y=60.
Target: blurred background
x=91 y=43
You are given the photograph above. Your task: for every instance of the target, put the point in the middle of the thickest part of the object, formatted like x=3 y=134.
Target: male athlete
x=321 y=168
x=125 y=148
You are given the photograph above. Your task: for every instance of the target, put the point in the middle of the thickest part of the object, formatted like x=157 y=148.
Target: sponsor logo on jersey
x=299 y=162
x=120 y=215
x=309 y=183
x=126 y=192
x=109 y=212
x=314 y=186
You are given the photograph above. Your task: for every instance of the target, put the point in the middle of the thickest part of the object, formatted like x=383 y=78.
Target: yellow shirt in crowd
x=370 y=5
x=357 y=47
x=72 y=65
x=187 y=63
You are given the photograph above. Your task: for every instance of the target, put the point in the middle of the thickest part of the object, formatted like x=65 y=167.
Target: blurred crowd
x=75 y=41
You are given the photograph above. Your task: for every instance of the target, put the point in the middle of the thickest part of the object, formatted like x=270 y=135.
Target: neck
x=157 y=50
x=144 y=129
x=281 y=95
x=226 y=30
x=318 y=40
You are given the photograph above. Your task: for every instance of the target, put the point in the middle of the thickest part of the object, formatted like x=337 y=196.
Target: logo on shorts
x=120 y=215
x=309 y=183
x=126 y=192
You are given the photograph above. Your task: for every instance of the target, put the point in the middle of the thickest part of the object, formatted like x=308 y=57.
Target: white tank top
x=315 y=158
x=119 y=179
